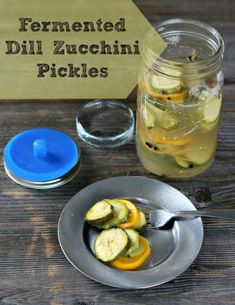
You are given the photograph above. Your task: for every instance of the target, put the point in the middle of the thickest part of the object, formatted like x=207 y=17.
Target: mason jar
x=179 y=98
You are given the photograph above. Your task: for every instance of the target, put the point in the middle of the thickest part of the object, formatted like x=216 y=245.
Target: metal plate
x=173 y=248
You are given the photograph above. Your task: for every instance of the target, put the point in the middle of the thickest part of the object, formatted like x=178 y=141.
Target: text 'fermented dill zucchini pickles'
x=179 y=99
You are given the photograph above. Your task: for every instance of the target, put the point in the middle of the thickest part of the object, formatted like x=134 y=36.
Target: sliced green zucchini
x=141 y=223
x=120 y=214
x=155 y=116
x=168 y=120
x=111 y=244
x=154 y=109
x=211 y=108
x=148 y=116
x=199 y=156
x=140 y=250
x=165 y=84
x=99 y=213
x=183 y=163
x=134 y=238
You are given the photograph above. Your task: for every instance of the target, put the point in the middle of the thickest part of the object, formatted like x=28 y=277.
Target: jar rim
x=213 y=59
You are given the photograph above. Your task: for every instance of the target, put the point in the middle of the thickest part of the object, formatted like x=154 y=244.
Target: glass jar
x=179 y=99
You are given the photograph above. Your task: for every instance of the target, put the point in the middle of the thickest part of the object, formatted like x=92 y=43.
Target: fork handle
x=226 y=214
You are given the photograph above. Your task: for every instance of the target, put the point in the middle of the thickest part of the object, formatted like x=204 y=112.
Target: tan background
x=18 y=73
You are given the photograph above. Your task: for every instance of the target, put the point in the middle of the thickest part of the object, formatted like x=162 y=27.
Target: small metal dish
x=173 y=249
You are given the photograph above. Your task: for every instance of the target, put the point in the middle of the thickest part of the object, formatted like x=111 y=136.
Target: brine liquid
x=183 y=150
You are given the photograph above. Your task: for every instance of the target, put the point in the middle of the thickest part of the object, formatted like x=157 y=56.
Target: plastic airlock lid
x=40 y=155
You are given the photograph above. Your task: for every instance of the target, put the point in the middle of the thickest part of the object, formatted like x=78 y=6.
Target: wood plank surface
x=33 y=270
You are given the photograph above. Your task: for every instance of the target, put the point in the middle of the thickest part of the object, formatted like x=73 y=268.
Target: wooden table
x=33 y=269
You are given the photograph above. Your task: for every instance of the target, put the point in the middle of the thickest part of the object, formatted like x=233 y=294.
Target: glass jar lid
x=105 y=123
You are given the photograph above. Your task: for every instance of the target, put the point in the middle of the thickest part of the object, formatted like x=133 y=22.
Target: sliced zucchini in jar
x=120 y=214
x=211 y=108
x=99 y=213
x=134 y=238
x=148 y=115
x=160 y=96
x=150 y=107
x=155 y=116
x=168 y=120
x=207 y=127
x=141 y=223
x=199 y=156
x=183 y=163
x=165 y=84
x=111 y=244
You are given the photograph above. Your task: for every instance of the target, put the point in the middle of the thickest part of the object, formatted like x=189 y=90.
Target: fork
x=158 y=218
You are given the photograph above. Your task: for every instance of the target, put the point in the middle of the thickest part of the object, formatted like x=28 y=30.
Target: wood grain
x=33 y=269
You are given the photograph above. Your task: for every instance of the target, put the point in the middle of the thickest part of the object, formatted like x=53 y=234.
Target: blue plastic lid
x=41 y=154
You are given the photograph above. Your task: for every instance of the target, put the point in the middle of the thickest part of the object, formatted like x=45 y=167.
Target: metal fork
x=159 y=218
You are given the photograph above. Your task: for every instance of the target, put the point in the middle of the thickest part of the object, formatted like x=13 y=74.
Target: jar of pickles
x=179 y=98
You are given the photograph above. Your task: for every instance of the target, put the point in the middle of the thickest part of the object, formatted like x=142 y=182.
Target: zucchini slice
x=165 y=84
x=149 y=116
x=152 y=116
x=183 y=163
x=211 y=108
x=142 y=222
x=99 y=213
x=134 y=238
x=160 y=95
x=168 y=120
x=120 y=214
x=207 y=127
x=133 y=263
x=143 y=246
x=134 y=215
x=200 y=156
x=111 y=244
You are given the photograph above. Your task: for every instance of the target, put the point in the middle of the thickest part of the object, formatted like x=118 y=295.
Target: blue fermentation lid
x=40 y=155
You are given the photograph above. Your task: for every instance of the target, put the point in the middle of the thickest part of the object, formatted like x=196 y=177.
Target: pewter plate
x=173 y=248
